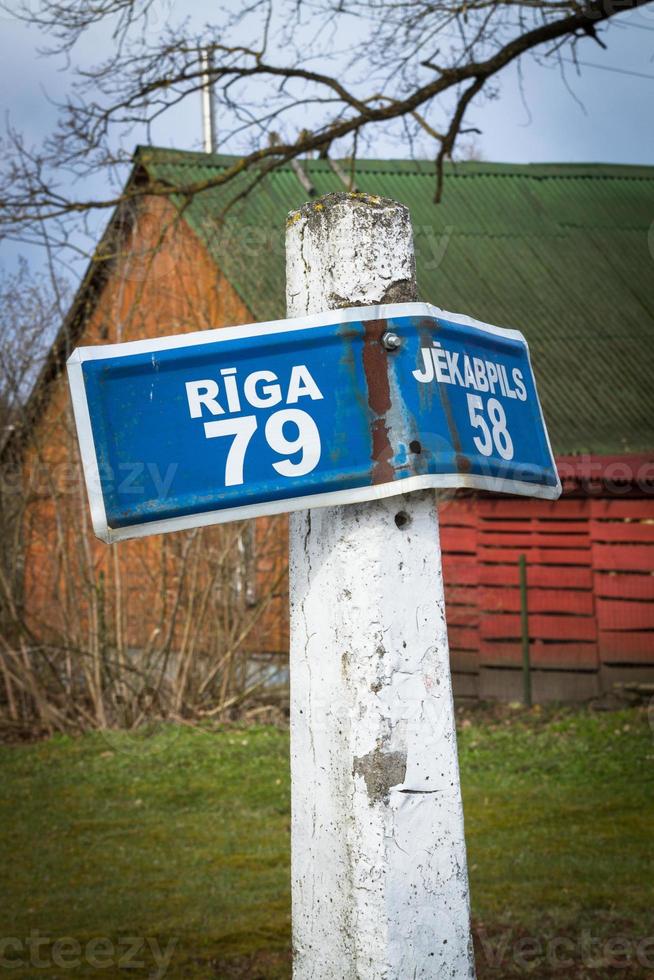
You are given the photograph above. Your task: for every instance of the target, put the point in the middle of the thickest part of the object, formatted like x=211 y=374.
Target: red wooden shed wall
x=591 y=591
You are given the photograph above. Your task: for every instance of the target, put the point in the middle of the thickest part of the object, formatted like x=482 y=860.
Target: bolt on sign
x=349 y=405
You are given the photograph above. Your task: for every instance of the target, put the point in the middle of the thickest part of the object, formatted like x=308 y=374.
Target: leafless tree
x=174 y=627
x=324 y=75
x=30 y=310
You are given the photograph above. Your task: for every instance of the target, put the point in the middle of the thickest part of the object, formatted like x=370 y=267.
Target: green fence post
x=524 y=622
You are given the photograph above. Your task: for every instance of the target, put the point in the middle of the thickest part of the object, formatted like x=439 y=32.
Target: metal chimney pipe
x=208 y=109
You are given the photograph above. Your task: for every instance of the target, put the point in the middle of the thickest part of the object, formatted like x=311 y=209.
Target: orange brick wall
x=162 y=282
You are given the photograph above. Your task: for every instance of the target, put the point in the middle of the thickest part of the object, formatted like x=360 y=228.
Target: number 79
x=243 y=428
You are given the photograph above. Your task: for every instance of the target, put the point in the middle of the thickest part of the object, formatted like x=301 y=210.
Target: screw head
x=391 y=341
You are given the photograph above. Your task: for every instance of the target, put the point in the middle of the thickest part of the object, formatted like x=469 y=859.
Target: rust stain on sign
x=463 y=465
x=375 y=367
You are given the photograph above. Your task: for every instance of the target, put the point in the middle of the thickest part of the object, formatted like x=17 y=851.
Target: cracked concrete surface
x=379 y=877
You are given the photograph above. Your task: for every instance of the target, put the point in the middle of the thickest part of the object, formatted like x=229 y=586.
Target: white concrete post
x=379 y=878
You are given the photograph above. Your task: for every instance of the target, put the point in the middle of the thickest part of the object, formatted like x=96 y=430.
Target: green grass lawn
x=182 y=837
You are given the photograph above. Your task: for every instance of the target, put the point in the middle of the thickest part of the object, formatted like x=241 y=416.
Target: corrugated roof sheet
x=564 y=253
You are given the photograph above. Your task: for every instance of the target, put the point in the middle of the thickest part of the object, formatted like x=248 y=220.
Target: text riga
x=299 y=454
x=260 y=389
x=454 y=368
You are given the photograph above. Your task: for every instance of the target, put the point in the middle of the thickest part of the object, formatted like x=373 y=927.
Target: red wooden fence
x=591 y=591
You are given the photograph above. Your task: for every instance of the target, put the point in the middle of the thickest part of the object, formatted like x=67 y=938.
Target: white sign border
x=268 y=508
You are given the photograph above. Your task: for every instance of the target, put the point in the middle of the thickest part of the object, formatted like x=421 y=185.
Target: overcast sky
x=602 y=115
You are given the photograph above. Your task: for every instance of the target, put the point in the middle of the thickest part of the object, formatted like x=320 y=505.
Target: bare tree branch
x=421 y=52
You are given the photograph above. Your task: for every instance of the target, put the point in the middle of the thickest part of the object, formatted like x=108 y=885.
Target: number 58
x=497 y=435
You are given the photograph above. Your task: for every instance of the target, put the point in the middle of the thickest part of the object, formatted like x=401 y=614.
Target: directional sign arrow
x=345 y=406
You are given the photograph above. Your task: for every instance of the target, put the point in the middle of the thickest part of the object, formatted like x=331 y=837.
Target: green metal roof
x=564 y=253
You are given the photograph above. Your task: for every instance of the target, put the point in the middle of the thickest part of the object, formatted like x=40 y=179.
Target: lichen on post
x=379 y=879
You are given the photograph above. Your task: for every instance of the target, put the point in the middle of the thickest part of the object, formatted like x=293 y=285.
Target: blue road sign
x=345 y=406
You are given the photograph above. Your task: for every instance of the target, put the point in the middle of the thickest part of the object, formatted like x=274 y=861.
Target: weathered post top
x=349 y=250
